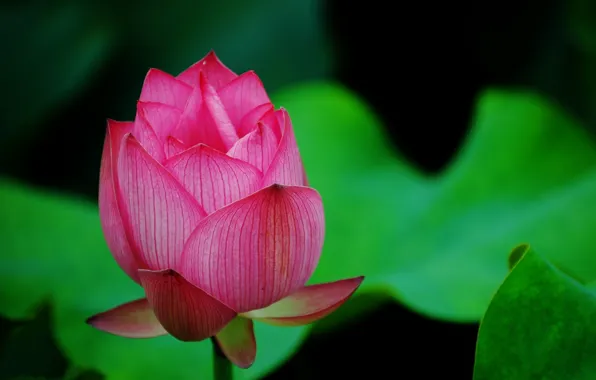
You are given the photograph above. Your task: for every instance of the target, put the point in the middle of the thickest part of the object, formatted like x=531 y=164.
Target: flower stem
x=222 y=367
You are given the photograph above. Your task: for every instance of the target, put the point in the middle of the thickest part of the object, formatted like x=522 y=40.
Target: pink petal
x=257 y=148
x=196 y=124
x=249 y=121
x=146 y=136
x=242 y=95
x=162 y=118
x=111 y=221
x=185 y=311
x=286 y=167
x=161 y=214
x=217 y=73
x=308 y=304
x=217 y=111
x=259 y=249
x=276 y=121
x=173 y=146
x=131 y=320
x=214 y=179
x=163 y=88
x=237 y=341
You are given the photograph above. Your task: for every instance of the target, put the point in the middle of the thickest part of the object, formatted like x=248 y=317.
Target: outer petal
x=257 y=148
x=237 y=341
x=163 y=88
x=250 y=120
x=308 y=304
x=111 y=221
x=242 y=95
x=185 y=311
x=162 y=118
x=214 y=179
x=259 y=249
x=173 y=146
x=131 y=320
x=217 y=73
x=160 y=213
x=213 y=104
x=286 y=167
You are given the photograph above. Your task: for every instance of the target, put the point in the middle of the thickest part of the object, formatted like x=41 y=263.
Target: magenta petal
x=259 y=249
x=111 y=221
x=217 y=111
x=146 y=136
x=173 y=146
x=196 y=124
x=257 y=148
x=308 y=304
x=237 y=341
x=214 y=179
x=286 y=167
x=185 y=311
x=161 y=214
x=131 y=320
x=217 y=73
x=162 y=118
x=250 y=120
x=163 y=88
x=242 y=95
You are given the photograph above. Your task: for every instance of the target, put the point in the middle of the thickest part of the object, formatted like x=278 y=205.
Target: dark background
x=421 y=66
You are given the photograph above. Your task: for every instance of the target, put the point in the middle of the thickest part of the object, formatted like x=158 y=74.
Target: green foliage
x=539 y=325
x=527 y=172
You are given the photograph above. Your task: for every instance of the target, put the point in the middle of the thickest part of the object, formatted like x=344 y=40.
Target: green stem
x=222 y=367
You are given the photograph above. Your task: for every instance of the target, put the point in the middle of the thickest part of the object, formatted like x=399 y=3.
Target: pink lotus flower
x=204 y=203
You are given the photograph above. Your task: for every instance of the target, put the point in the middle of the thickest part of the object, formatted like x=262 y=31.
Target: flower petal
x=146 y=136
x=308 y=304
x=259 y=249
x=111 y=221
x=237 y=342
x=217 y=73
x=242 y=95
x=160 y=213
x=196 y=124
x=217 y=111
x=131 y=320
x=249 y=121
x=185 y=311
x=257 y=148
x=162 y=118
x=173 y=146
x=214 y=179
x=286 y=167
x=163 y=88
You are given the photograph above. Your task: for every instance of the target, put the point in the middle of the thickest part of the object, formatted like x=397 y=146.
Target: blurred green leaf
x=53 y=248
x=539 y=325
x=527 y=172
x=283 y=43
x=30 y=350
x=46 y=62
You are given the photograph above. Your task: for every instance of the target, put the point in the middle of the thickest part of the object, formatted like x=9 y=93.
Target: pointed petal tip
x=237 y=342
x=130 y=320
x=308 y=304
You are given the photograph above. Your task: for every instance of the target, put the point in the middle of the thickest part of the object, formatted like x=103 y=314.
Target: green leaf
x=53 y=248
x=527 y=172
x=56 y=49
x=539 y=325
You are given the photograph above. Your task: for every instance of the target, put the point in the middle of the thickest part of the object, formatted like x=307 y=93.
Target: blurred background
x=417 y=69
